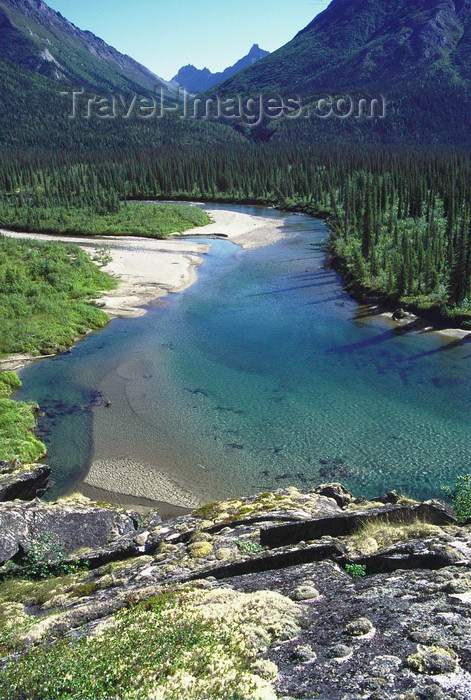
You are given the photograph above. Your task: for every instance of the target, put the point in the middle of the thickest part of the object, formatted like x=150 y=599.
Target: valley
x=234 y=350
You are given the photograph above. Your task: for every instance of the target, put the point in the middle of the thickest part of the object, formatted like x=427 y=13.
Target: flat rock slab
x=346 y=523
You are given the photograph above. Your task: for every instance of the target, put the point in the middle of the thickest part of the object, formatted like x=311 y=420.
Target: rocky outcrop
x=345 y=524
x=58 y=529
x=383 y=602
x=35 y=36
x=23 y=481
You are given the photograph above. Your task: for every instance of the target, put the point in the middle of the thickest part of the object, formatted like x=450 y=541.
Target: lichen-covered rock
x=434 y=660
x=304 y=592
x=358 y=628
x=303 y=654
x=59 y=527
x=402 y=630
x=335 y=491
x=200 y=549
x=339 y=651
x=285 y=504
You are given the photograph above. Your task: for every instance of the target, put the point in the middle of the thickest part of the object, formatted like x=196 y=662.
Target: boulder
x=59 y=528
x=399 y=315
x=336 y=491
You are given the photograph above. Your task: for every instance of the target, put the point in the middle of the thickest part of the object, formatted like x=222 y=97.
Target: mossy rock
x=433 y=660
x=198 y=550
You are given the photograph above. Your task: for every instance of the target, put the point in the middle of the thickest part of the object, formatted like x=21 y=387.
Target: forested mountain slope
x=36 y=37
x=414 y=53
x=368 y=44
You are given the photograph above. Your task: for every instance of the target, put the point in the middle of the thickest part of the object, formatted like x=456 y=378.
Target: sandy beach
x=242 y=229
x=133 y=479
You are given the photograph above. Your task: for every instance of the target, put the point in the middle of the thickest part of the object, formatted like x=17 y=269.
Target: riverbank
x=148 y=269
x=382 y=305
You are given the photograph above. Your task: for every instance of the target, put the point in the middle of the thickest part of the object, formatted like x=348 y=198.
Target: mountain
x=368 y=44
x=34 y=120
x=40 y=50
x=416 y=53
x=36 y=37
x=196 y=80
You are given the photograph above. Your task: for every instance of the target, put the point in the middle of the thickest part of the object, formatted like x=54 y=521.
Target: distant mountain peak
x=200 y=79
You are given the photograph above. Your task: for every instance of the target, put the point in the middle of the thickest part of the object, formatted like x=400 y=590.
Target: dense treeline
x=107 y=217
x=400 y=221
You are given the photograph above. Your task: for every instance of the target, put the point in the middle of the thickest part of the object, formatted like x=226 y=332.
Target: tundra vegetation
x=17 y=424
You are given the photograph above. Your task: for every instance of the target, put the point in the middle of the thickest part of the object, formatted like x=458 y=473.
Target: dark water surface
x=262 y=374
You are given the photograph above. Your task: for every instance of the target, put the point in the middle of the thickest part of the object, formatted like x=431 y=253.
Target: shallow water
x=262 y=374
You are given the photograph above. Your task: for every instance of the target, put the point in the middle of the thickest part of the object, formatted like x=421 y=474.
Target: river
x=261 y=375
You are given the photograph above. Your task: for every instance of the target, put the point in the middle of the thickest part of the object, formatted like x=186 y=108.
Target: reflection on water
x=262 y=374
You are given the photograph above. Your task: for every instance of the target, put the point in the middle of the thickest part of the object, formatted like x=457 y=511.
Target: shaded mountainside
x=34 y=118
x=289 y=594
x=198 y=80
x=366 y=44
x=40 y=39
x=414 y=52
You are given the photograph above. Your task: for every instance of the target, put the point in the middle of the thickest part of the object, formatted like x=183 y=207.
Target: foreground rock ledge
x=402 y=630
x=25 y=481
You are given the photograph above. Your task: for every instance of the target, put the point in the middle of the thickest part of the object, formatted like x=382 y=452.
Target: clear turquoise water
x=262 y=374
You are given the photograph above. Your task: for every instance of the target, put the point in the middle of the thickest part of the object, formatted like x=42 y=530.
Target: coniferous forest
x=349 y=574
x=399 y=221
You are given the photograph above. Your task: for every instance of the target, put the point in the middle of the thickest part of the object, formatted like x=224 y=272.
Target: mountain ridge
x=366 y=44
x=35 y=36
x=197 y=80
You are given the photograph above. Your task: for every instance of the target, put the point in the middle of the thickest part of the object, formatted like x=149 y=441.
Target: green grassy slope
x=17 y=424
x=45 y=290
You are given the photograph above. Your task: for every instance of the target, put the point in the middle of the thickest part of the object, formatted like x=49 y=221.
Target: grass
x=9 y=383
x=152 y=221
x=184 y=643
x=376 y=535
x=45 y=296
x=17 y=424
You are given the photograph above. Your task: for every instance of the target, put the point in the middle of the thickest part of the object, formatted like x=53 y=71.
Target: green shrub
x=249 y=547
x=355 y=570
x=45 y=293
x=461 y=497
x=17 y=437
x=45 y=558
x=152 y=221
x=148 y=646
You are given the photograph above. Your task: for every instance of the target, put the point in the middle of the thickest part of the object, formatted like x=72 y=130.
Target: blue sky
x=167 y=35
